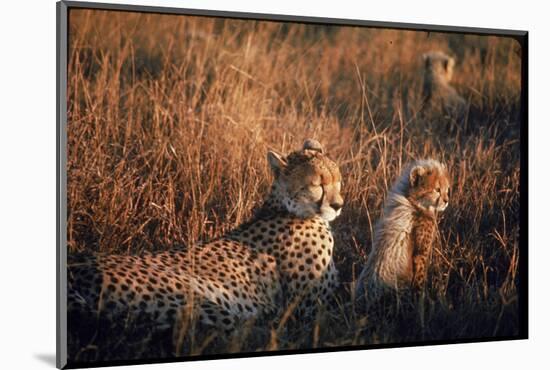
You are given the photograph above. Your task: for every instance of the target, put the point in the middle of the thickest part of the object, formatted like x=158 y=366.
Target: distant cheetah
x=437 y=90
x=404 y=235
x=284 y=253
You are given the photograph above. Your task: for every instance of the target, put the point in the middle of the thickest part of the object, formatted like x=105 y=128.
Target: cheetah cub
x=437 y=90
x=404 y=235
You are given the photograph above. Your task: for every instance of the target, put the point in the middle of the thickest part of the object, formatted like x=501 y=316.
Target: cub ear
x=416 y=173
x=276 y=161
x=449 y=65
x=312 y=144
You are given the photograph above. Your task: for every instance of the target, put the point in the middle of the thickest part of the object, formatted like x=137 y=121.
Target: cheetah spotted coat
x=259 y=268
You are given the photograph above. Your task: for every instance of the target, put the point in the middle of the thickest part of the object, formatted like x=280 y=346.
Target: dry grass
x=170 y=119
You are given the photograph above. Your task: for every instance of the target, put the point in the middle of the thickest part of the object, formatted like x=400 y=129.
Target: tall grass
x=170 y=119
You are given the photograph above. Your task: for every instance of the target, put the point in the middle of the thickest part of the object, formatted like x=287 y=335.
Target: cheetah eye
x=438 y=190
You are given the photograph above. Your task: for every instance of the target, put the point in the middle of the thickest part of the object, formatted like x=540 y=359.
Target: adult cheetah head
x=428 y=185
x=307 y=182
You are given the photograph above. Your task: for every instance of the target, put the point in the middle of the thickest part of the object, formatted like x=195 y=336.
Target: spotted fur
x=283 y=254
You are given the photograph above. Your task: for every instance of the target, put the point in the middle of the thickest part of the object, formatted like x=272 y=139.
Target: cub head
x=428 y=185
x=307 y=182
x=438 y=65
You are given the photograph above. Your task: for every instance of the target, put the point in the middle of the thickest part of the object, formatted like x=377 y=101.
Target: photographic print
x=242 y=185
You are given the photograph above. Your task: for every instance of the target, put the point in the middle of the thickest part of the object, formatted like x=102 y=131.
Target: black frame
x=62 y=13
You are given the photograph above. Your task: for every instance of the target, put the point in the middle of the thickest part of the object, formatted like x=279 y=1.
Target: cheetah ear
x=416 y=173
x=312 y=144
x=276 y=161
x=449 y=64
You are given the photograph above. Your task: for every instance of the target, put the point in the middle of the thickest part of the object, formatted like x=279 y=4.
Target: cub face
x=429 y=185
x=439 y=65
x=308 y=182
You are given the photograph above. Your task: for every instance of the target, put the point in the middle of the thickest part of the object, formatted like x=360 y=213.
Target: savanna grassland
x=170 y=119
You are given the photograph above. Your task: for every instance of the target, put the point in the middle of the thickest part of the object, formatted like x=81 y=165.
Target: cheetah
x=403 y=237
x=437 y=91
x=283 y=254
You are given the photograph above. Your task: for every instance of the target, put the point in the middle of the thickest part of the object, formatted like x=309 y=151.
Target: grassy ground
x=170 y=119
